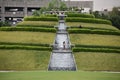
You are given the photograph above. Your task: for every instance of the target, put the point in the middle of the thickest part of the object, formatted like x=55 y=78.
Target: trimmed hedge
x=88 y=20
x=41 y=26
x=25 y=44
x=89 y=31
x=81 y=49
x=80 y=15
x=97 y=46
x=28 y=29
x=25 y=47
x=33 y=18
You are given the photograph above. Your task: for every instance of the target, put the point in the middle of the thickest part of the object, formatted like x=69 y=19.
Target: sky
x=100 y=5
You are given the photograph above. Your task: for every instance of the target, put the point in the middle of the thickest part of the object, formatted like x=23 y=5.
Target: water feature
x=61 y=56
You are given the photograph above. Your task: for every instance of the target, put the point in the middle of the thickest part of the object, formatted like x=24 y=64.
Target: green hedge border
x=33 y=18
x=104 y=50
x=34 y=29
x=23 y=47
x=80 y=15
x=88 y=20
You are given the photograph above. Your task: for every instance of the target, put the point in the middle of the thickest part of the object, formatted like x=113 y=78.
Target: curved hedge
x=80 y=15
x=81 y=49
x=34 y=18
x=28 y=29
x=88 y=20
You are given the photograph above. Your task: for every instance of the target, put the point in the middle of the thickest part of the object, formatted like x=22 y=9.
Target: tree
x=63 y=6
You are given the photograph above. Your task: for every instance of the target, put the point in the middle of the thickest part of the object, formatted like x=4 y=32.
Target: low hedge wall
x=33 y=18
x=81 y=49
x=25 y=44
x=88 y=20
x=89 y=31
x=28 y=29
x=80 y=15
x=25 y=47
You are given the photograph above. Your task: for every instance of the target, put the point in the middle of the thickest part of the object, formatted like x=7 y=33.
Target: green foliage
x=34 y=29
x=79 y=15
x=88 y=20
x=105 y=50
x=89 y=31
x=25 y=44
x=33 y=18
x=6 y=23
x=25 y=47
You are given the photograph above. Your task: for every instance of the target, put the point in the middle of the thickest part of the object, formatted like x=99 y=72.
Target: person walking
x=64 y=45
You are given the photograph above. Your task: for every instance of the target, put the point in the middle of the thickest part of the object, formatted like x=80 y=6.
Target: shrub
x=80 y=15
x=89 y=31
x=80 y=49
x=25 y=47
x=33 y=18
x=25 y=44
x=88 y=20
x=27 y=29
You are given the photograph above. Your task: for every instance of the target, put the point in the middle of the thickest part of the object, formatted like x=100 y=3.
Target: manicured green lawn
x=26 y=37
x=92 y=25
x=95 y=39
x=24 y=60
x=97 y=61
x=46 y=75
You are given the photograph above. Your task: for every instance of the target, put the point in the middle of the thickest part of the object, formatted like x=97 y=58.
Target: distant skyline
x=100 y=5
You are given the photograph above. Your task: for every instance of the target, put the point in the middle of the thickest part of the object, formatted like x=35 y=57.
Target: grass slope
x=97 y=61
x=95 y=39
x=91 y=25
x=79 y=75
x=24 y=60
x=26 y=37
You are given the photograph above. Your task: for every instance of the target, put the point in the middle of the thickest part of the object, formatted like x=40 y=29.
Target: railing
x=14 y=14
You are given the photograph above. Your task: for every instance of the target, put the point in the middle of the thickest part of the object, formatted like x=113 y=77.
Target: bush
x=89 y=31
x=88 y=20
x=6 y=23
x=97 y=46
x=25 y=47
x=25 y=44
x=33 y=18
x=80 y=49
x=27 y=29
x=80 y=15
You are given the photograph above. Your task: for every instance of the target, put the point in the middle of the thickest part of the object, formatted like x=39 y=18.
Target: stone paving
x=62 y=58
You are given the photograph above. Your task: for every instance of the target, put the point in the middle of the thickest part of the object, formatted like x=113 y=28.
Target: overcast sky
x=103 y=4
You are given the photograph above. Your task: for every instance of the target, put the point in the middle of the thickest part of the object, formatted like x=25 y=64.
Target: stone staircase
x=62 y=59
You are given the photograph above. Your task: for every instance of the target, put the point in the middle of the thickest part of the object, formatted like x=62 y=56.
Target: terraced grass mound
x=24 y=60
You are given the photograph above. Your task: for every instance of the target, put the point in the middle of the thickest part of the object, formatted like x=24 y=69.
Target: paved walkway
x=62 y=59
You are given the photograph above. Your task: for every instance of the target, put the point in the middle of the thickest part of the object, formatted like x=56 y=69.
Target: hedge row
x=88 y=31
x=42 y=26
x=97 y=46
x=33 y=18
x=25 y=44
x=91 y=28
x=80 y=49
x=80 y=15
x=25 y=47
x=88 y=20
x=34 y=29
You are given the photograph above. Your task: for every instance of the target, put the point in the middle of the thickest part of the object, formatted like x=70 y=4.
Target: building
x=15 y=10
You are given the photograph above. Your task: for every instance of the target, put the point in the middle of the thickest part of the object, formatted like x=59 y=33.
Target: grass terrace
x=96 y=61
x=23 y=60
x=26 y=37
x=91 y=25
x=95 y=39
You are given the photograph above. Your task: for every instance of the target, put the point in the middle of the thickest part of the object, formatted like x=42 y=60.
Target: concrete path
x=62 y=59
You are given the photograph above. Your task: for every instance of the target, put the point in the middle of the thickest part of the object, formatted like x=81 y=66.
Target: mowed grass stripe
x=94 y=39
x=27 y=37
x=24 y=60
x=95 y=61
x=91 y=25
x=57 y=75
